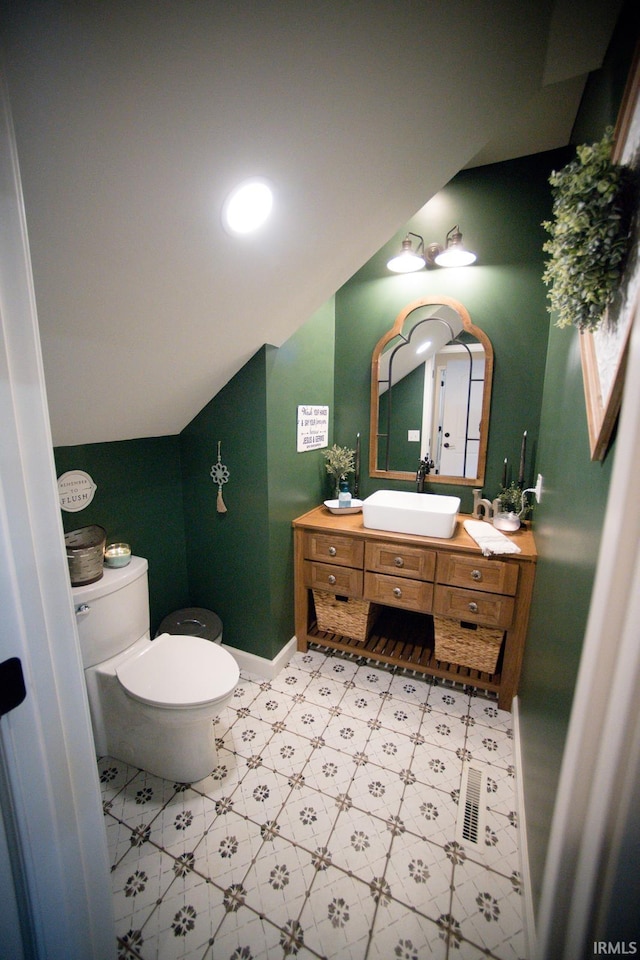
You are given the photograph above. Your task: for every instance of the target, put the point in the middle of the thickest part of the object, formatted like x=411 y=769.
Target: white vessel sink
x=426 y=514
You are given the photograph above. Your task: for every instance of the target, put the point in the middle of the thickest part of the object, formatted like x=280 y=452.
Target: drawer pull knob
x=473 y=607
x=397 y=592
x=399 y=562
x=332 y=579
x=476 y=575
x=332 y=551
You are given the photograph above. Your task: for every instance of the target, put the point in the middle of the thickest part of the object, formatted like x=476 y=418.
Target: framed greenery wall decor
x=603 y=349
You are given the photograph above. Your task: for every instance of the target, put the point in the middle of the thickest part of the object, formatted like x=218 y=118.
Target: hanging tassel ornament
x=220 y=475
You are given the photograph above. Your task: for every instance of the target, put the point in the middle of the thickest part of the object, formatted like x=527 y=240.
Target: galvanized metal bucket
x=85 y=554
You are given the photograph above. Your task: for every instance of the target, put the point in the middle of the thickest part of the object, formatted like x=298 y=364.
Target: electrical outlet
x=413 y=436
x=538 y=488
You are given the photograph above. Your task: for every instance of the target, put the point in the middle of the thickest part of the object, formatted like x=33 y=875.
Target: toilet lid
x=179 y=671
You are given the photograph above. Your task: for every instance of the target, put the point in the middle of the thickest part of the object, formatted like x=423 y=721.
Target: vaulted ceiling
x=134 y=119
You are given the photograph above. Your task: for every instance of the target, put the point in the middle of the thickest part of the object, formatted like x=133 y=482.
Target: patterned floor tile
x=390 y=749
x=488 y=907
x=279 y=881
x=337 y=917
x=340 y=668
x=360 y=702
x=261 y=792
x=437 y=767
x=499 y=848
x=182 y=822
x=245 y=935
x=139 y=883
x=414 y=689
x=401 y=716
x=184 y=923
x=419 y=876
x=451 y=701
x=227 y=850
x=346 y=733
x=270 y=706
x=360 y=844
x=329 y=770
x=398 y=933
x=308 y=818
x=487 y=712
x=489 y=746
x=327 y=828
x=247 y=736
x=429 y=813
x=370 y=677
x=327 y=692
x=377 y=791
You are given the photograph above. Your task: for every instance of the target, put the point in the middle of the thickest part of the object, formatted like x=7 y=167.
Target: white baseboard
x=528 y=915
x=260 y=666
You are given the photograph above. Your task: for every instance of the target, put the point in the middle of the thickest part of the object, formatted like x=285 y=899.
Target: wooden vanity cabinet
x=409 y=579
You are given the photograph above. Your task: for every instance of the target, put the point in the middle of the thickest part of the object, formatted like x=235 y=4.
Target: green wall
x=139 y=501
x=568 y=522
x=240 y=562
x=499 y=208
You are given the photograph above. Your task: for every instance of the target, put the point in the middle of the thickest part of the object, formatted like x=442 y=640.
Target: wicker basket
x=344 y=615
x=467 y=644
x=85 y=554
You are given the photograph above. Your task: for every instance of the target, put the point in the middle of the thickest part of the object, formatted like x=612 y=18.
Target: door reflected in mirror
x=430 y=395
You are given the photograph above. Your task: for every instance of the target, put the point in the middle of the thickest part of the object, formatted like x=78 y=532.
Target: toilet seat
x=179 y=672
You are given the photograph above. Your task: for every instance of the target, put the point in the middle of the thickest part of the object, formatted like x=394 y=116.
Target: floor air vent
x=470 y=827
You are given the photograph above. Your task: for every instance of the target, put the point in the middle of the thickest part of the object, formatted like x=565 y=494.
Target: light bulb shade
x=455 y=254
x=408 y=260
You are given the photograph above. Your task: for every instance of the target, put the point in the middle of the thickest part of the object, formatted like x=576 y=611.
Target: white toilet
x=152 y=702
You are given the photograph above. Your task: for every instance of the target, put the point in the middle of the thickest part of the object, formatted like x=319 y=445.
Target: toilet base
x=174 y=744
x=182 y=754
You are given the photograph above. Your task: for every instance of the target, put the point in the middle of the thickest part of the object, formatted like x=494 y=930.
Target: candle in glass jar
x=117 y=555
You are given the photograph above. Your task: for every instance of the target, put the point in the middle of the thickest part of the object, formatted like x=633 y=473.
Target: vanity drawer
x=492 y=576
x=398 y=560
x=398 y=592
x=343 y=581
x=334 y=548
x=473 y=606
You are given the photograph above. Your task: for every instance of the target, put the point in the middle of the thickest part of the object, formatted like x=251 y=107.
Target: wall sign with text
x=76 y=490
x=313 y=427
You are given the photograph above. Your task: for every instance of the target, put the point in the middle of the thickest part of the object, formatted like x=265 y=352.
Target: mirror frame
x=374 y=422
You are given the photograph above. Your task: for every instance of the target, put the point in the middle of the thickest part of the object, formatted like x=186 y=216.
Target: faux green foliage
x=339 y=462
x=512 y=500
x=589 y=235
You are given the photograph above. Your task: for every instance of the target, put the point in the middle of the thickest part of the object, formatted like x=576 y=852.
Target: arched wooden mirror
x=431 y=379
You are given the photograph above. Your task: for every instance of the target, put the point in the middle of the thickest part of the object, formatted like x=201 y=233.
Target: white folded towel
x=489 y=539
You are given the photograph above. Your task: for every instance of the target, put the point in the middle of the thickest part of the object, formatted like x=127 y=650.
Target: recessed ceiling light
x=247 y=206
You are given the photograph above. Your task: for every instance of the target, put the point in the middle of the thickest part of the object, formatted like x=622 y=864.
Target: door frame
x=54 y=827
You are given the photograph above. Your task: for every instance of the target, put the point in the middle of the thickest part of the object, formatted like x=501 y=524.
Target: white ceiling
x=134 y=118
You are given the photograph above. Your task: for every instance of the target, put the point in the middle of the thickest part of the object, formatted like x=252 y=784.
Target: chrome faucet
x=424 y=467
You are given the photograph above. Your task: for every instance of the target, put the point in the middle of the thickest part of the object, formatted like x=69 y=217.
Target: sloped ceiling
x=134 y=119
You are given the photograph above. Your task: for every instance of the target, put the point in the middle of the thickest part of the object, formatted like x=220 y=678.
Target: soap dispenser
x=344 y=494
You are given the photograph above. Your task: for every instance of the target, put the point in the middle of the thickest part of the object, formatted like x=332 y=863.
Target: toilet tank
x=113 y=612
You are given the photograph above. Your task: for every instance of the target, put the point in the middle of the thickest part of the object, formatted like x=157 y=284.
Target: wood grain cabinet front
x=409 y=579
x=399 y=576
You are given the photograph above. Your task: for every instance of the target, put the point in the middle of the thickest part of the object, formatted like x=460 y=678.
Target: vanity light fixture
x=247 y=206
x=408 y=260
x=453 y=254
